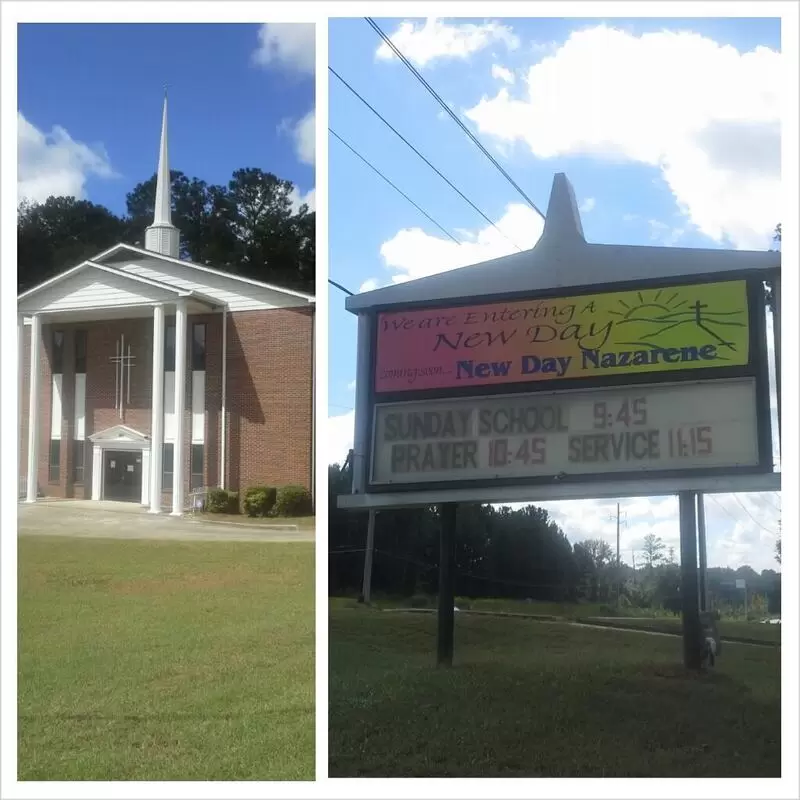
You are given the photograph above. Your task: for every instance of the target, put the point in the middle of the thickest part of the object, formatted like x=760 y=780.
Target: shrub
x=293 y=501
x=259 y=500
x=464 y=603
x=220 y=501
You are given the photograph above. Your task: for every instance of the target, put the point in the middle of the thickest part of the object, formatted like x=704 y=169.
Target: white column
x=33 y=410
x=20 y=397
x=181 y=320
x=157 y=413
x=97 y=472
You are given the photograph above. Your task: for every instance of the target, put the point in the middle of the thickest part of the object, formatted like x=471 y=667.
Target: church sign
x=641 y=330
x=649 y=381
x=632 y=429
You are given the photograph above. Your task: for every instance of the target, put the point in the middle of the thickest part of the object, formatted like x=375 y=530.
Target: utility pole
x=618 y=570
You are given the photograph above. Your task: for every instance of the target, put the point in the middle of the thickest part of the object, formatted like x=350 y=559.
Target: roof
x=112 y=251
x=175 y=291
x=563 y=259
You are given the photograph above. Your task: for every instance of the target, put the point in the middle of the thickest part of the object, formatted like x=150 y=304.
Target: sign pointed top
x=563 y=220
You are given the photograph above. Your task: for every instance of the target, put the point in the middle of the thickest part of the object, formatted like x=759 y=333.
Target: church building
x=144 y=377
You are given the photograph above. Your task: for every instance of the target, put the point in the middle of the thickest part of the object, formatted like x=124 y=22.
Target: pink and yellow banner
x=589 y=336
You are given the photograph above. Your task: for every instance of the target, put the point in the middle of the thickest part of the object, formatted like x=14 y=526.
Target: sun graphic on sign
x=646 y=321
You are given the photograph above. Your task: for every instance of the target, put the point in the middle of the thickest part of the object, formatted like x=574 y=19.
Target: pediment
x=119 y=433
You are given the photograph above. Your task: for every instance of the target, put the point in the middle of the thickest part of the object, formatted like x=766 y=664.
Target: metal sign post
x=692 y=629
x=366 y=588
x=702 y=575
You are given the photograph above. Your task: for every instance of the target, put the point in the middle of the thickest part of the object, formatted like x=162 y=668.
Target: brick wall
x=269 y=397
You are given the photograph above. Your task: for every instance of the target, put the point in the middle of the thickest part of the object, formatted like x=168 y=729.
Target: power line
x=728 y=513
x=736 y=498
x=451 y=113
x=340 y=287
x=437 y=171
x=399 y=191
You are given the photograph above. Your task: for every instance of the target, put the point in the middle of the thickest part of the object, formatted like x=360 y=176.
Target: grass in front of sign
x=157 y=660
x=503 y=605
x=532 y=699
x=637 y=619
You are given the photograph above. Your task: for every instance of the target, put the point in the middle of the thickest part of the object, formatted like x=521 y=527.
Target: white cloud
x=289 y=44
x=304 y=136
x=412 y=253
x=663 y=234
x=433 y=39
x=340 y=436
x=587 y=205
x=368 y=285
x=351 y=387
x=55 y=164
x=298 y=199
x=705 y=115
x=502 y=73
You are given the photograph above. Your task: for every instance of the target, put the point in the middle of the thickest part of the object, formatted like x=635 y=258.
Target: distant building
x=103 y=416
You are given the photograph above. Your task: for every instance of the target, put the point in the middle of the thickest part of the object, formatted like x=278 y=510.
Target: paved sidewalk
x=85 y=519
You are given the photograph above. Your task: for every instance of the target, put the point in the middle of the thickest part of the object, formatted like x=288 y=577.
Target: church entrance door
x=122 y=475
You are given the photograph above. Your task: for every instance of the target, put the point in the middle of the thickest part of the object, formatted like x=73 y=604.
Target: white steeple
x=162 y=236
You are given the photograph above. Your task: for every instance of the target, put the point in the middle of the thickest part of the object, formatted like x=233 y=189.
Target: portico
x=63 y=302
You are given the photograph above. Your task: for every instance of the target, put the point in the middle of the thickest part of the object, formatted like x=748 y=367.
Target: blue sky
x=102 y=84
x=667 y=129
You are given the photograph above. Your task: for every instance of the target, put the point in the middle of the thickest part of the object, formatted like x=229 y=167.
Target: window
x=58 y=352
x=55 y=461
x=167 y=465
x=199 y=346
x=77 y=467
x=197 y=466
x=80 y=351
x=169 y=348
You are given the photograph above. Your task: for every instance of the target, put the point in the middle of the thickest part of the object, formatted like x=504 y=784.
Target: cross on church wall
x=123 y=361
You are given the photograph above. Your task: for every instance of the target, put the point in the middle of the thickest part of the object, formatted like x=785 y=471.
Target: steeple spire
x=162 y=236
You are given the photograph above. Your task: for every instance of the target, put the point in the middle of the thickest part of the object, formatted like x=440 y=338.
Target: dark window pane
x=78 y=462
x=197 y=466
x=167 y=465
x=197 y=458
x=80 y=351
x=199 y=345
x=169 y=349
x=58 y=352
x=55 y=460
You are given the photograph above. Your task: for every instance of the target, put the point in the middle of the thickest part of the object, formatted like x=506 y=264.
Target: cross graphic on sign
x=124 y=362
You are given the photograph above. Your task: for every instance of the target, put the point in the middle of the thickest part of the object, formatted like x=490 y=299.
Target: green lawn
x=535 y=699
x=156 y=660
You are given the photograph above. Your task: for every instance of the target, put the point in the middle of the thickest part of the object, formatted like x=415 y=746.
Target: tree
x=653 y=550
x=248 y=227
x=778 y=550
x=599 y=551
x=60 y=233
